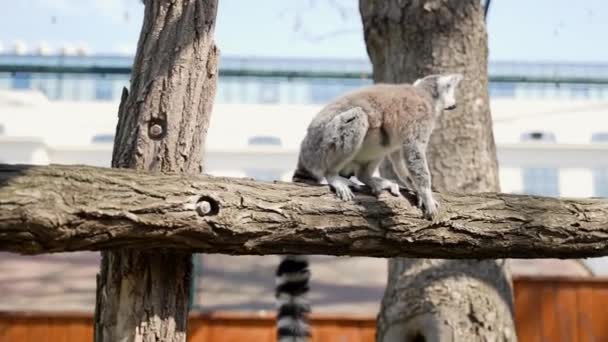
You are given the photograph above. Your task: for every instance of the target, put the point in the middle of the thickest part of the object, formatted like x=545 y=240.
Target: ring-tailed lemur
x=351 y=136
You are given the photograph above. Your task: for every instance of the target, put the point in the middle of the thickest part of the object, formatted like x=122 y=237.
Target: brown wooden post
x=162 y=124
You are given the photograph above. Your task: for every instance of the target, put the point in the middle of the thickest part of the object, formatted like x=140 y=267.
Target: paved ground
x=66 y=282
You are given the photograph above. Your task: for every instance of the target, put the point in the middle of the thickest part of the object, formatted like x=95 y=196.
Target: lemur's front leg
x=415 y=155
x=400 y=169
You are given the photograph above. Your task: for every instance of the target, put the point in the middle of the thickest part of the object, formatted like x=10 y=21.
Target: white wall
x=574 y=181
x=23 y=151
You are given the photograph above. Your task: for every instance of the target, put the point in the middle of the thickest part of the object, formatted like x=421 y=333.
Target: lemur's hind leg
x=377 y=184
x=343 y=137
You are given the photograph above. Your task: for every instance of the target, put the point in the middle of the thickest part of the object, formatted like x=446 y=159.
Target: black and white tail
x=292 y=304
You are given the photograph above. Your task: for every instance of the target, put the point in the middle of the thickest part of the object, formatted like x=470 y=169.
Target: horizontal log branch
x=47 y=209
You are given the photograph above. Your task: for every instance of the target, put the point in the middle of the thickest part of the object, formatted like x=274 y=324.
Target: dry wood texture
x=67 y=208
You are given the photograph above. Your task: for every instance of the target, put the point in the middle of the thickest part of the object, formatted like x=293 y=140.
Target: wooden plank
x=241 y=330
x=16 y=330
x=368 y=333
x=341 y=331
x=198 y=329
x=600 y=309
x=57 y=328
x=586 y=315
x=3 y=329
x=549 y=323
x=593 y=320
x=323 y=332
x=527 y=311
x=566 y=311
x=80 y=330
x=36 y=330
x=367 y=330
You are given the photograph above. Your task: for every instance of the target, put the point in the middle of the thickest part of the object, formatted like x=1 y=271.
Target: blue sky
x=521 y=30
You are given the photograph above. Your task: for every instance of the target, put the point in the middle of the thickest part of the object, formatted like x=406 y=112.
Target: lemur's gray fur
x=355 y=132
x=351 y=136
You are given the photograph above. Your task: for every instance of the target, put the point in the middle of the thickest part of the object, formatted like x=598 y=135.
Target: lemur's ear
x=449 y=80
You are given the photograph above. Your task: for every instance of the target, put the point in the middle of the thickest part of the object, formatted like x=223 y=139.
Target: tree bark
x=162 y=124
x=456 y=301
x=47 y=209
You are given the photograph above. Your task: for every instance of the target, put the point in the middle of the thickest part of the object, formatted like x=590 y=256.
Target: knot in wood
x=203 y=208
x=156 y=131
x=207 y=206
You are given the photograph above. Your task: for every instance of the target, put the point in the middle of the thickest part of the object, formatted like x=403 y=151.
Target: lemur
x=351 y=136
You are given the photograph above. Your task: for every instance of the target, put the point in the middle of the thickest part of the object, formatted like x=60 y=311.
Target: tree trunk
x=162 y=124
x=429 y=299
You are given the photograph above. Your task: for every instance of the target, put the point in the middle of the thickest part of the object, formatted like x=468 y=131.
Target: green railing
x=99 y=70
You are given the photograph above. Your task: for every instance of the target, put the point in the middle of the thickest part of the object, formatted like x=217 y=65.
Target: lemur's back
x=389 y=111
x=385 y=104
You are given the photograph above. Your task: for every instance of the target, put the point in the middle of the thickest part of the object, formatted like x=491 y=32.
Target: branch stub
x=207 y=206
x=156 y=129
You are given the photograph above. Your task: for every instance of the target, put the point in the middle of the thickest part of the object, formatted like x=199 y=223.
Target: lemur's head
x=441 y=88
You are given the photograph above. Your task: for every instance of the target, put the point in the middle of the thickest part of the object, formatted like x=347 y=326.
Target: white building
x=544 y=147
x=557 y=157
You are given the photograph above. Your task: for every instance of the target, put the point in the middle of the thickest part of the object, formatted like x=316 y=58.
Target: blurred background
x=63 y=64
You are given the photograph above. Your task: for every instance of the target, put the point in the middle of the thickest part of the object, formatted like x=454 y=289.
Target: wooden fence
x=546 y=309
x=561 y=309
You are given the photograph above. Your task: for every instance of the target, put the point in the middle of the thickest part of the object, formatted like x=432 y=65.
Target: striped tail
x=293 y=307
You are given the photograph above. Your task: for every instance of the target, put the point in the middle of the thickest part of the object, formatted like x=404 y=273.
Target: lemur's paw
x=394 y=189
x=380 y=185
x=430 y=208
x=432 y=214
x=343 y=192
x=355 y=186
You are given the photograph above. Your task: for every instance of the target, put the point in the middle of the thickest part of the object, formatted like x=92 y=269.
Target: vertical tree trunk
x=439 y=300
x=143 y=296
